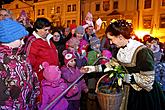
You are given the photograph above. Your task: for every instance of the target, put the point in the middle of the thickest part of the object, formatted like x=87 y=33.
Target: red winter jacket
x=41 y=51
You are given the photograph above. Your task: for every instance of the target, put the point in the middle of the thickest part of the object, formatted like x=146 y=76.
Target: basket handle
x=114 y=59
x=99 y=82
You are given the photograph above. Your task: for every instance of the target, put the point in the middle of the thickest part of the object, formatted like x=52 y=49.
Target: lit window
x=147 y=20
x=16 y=6
x=68 y=23
x=97 y=7
x=73 y=21
x=74 y=7
x=115 y=5
x=147 y=4
x=163 y=2
x=69 y=8
x=58 y=9
x=162 y=21
x=106 y=5
x=42 y=11
x=39 y=11
x=52 y=10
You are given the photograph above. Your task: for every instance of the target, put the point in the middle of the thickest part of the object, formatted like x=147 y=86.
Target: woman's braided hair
x=120 y=27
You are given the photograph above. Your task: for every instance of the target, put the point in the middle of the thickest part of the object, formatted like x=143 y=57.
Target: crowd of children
x=56 y=56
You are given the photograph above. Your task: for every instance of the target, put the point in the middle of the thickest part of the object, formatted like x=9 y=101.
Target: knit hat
x=94 y=41
x=11 y=30
x=72 y=26
x=68 y=56
x=107 y=54
x=80 y=30
x=73 y=42
x=51 y=72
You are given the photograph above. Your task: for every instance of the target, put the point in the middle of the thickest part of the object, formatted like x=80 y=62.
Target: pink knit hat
x=107 y=54
x=68 y=56
x=51 y=72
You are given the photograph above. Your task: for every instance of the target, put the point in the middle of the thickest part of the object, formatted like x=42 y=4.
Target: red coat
x=41 y=51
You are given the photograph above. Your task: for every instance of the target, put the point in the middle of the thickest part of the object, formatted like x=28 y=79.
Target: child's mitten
x=74 y=90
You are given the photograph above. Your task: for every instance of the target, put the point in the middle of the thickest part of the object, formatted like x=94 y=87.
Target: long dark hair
x=120 y=27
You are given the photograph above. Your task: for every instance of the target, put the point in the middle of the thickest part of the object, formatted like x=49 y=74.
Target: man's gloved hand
x=127 y=78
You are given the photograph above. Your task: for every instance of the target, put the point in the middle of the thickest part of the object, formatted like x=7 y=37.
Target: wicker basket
x=108 y=101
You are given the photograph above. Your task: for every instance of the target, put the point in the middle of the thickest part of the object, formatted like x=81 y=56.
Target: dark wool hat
x=11 y=30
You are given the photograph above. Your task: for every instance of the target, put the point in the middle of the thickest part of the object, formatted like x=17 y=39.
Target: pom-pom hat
x=51 y=72
x=68 y=56
x=11 y=30
x=73 y=42
x=94 y=41
x=80 y=30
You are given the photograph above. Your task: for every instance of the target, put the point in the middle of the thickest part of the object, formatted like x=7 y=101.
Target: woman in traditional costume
x=144 y=92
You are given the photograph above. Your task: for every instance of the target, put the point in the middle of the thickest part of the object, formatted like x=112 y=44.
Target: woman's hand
x=84 y=69
x=88 y=69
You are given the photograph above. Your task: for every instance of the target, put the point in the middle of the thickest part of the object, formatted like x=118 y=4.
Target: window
x=74 y=7
x=147 y=4
x=115 y=5
x=68 y=23
x=39 y=11
x=97 y=7
x=147 y=20
x=42 y=12
x=73 y=21
x=162 y=21
x=106 y=5
x=69 y=8
x=58 y=9
x=58 y=23
x=52 y=10
x=163 y=2
x=16 y=6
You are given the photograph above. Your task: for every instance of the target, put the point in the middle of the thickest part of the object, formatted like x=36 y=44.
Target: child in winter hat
x=69 y=58
x=96 y=51
x=11 y=30
x=72 y=44
x=95 y=43
x=70 y=72
x=52 y=86
x=80 y=30
x=107 y=55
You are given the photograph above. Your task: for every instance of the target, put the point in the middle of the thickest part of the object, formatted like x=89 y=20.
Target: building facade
x=59 y=12
x=17 y=6
x=147 y=16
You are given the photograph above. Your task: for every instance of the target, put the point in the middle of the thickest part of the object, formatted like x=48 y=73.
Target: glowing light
x=141 y=33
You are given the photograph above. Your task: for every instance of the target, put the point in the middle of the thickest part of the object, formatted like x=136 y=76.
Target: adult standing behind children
x=4 y=13
x=19 y=85
x=40 y=48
